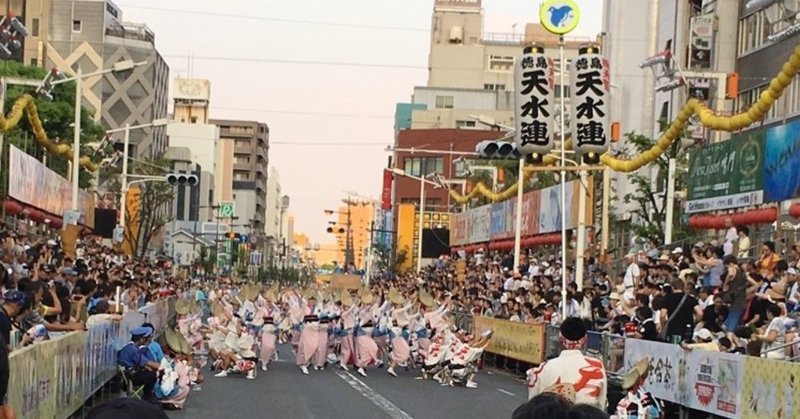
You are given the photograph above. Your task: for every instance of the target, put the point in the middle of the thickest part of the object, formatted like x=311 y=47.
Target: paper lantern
x=534 y=80
x=589 y=102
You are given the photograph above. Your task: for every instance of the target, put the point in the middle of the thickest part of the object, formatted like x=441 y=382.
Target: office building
x=360 y=217
x=92 y=35
x=242 y=158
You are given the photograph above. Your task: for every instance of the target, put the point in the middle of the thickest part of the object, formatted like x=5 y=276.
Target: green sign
x=728 y=174
x=226 y=209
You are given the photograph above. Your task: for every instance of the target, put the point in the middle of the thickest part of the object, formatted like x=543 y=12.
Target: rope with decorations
x=11 y=121
x=708 y=118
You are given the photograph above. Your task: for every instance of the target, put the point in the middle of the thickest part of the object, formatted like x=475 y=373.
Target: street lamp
x=422 y=181
x=118 y=67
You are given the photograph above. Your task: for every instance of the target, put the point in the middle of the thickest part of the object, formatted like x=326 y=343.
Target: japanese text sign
x=534 y=79
x=589 y=103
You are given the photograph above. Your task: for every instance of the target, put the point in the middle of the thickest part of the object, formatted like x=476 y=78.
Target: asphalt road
x=283 y=392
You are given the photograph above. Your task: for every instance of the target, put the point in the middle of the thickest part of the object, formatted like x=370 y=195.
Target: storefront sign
x=731 y=169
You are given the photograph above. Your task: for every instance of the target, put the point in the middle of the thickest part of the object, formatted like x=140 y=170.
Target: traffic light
x=233 y=236
x=332 y=230
x=497 y=150
x=181 y=179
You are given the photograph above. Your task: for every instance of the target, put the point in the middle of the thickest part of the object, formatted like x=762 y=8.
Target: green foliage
x=387 y=259
x=57 y=117
x=650 y=208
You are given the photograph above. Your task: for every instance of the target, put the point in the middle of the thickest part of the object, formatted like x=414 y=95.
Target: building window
x=194 y=119
x=498 y=87
x=465 y=124
x=444 y=102
x=76 y=25
x=239 y=175
x=421 y=166
x=34 y=27
x=242 y=159
x=501 y=63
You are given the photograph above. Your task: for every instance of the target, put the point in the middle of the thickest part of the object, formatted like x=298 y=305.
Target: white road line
x=506 y=392
x=388 y=407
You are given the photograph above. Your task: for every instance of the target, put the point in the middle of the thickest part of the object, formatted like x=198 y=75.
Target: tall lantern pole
x=561 y=17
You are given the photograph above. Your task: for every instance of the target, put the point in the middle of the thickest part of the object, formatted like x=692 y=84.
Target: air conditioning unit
x=456 y=35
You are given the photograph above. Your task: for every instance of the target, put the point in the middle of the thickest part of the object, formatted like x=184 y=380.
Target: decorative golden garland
x=11 y=121
x=708 y=118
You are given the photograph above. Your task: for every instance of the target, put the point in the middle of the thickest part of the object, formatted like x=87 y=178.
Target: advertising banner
x=530 y=218
x=709 y=381
x=715 y=382
x=479 y=220
x=728 y=174
x=521 y=341
x=666 y=379
x=386 y=192
x=459 y=232
x=499 y=220
x=34 y=184
x=782 y=162
x=550 y=211
x=350 y=282
x=769 y=389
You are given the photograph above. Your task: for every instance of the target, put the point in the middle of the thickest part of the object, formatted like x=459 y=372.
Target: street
x=283 y=392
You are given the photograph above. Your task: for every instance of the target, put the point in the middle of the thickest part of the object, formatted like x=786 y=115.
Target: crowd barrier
x=727 y=385
x=54 y=378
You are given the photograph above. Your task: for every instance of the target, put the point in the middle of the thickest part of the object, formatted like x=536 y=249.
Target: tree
x=387 y=259
x=148 y=214
x=649 y=213
x=58 y=117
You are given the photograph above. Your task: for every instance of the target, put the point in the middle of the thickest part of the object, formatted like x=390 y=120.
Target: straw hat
x=271 y=295
x=310 y=293
x=182 y=307
x=637 y=372
x=426 y=299
x=395 y=297
x=366 y=296
x=171 y=337
x=185 y=347
x=217 y=310
x=345 y=298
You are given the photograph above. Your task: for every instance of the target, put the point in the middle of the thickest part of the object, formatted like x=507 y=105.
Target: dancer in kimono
x=348 y=328
x=366 y=348
x=309 y=340
x=638 y=403
x=269 y=317
x=398 y=331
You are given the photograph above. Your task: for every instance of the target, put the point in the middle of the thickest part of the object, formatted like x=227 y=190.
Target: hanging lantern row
x=751 y=217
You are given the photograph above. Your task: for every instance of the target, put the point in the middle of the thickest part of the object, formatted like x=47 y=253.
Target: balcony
x=134 y=31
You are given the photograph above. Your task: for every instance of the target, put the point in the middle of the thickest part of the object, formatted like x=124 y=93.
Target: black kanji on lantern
x=534 y=79
x=581 y=64
x=589 y=80
x=534 y=107
x=541 y=62
x=591 y=133
x=528 y=62
x=596 y=63
x=590 y=107
x=534 y=132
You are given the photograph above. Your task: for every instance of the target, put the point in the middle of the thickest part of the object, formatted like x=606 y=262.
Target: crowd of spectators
x=716 y=295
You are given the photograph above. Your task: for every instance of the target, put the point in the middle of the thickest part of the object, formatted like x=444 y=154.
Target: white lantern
x=589 y=104
x=534 y=79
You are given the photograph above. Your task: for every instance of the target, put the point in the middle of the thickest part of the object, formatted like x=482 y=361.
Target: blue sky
x=362 y=97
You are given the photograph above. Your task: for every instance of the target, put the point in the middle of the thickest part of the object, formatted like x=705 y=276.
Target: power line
x=307 y=113
x=278 y=61
x=274 y=19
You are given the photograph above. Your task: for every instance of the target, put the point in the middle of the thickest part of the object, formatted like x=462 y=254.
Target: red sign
x=386 y=196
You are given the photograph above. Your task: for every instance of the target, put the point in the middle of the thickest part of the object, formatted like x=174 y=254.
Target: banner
x=459 y=233
x=350 y=282
x=702 y=380
x=770 y=388
x=386 y=193
x=728 y=174
x=520 y=341
x=666 y=380
x=53 y=378
x=530 y=218
x=32 y=183
x=550 y=211
x=479 y=220
x=499 y=227
x=782 y=162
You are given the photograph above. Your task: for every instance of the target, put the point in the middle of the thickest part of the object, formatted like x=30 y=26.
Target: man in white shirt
x=731 y=236
x=631 y=279
x=586 y=374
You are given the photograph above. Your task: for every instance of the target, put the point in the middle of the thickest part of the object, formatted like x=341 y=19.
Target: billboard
x=782 y=162
x=191 y=89
x=728 y=174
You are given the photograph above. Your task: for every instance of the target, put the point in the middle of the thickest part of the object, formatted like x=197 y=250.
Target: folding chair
x=134 y=392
